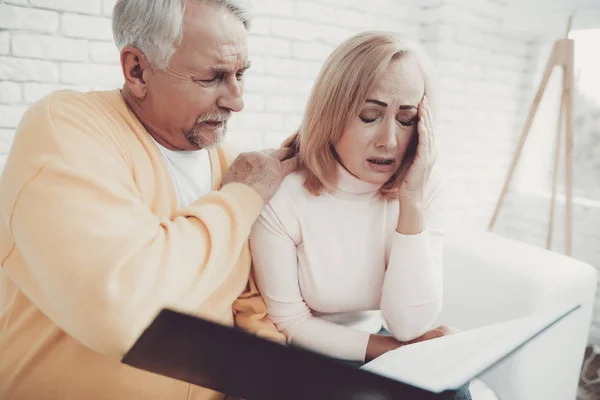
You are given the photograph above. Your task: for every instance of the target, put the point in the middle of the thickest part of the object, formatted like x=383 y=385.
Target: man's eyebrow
x=223 y=71
x=381 y=103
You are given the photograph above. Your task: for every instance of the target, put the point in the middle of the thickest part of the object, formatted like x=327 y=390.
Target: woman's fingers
x=425 y=113
x=429 y=115
x=430 y=130
x=423 y=146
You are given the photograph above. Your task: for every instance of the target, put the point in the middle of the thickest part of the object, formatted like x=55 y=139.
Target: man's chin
x=207 y=140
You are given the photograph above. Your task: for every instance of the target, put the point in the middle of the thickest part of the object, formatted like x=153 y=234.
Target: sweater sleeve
x=98 y=261
x=413 y=285
x=250 y=311
x=275 y=265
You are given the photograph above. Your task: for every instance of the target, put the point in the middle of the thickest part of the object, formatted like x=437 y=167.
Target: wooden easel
x=562 y=55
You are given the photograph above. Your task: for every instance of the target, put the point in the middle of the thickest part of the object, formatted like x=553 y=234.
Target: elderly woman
x=350 y=247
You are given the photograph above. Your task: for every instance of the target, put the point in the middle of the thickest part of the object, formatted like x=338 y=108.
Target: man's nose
x=231 y=97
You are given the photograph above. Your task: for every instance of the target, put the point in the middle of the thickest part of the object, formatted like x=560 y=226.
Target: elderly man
x=117 y=204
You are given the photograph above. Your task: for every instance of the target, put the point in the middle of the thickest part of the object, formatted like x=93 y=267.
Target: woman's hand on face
x=413 y=185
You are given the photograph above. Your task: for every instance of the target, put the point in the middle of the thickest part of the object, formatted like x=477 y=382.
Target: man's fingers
x=290 y=165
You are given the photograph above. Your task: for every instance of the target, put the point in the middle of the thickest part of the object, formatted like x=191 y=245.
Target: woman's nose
x=386 y=137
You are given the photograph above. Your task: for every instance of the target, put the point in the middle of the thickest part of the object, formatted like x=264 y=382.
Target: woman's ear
x=135 y=66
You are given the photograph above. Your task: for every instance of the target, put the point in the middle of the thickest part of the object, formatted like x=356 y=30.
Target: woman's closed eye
x=407 y=122
x=367 y=119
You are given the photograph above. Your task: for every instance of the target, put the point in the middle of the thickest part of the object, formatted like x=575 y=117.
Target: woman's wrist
x=411 y=219
x=380 y=344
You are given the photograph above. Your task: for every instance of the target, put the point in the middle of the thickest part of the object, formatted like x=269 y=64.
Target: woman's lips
x=381 y=164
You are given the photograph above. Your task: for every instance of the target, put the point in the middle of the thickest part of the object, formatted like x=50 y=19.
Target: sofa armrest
x=489 y=279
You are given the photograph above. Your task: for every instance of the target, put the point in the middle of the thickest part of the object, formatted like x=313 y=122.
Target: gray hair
x=155 y=27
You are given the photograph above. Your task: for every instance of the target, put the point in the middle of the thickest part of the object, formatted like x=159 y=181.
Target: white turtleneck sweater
x=332 y=269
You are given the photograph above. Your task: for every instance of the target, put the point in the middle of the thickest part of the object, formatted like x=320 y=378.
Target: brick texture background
x=484 y=72
x=486 y=80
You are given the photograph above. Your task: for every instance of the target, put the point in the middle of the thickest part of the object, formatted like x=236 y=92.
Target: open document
x=230 y=361
x=449 y=362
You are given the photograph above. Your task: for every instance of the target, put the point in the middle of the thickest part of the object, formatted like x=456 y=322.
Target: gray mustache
x=212 y=118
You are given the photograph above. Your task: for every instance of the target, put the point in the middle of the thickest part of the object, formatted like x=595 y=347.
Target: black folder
x=233 y=362
x=239 y=364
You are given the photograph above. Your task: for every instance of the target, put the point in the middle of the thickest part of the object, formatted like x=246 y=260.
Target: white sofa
x=490 y=279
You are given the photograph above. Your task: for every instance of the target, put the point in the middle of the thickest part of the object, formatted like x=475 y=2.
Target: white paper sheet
x=451 y=361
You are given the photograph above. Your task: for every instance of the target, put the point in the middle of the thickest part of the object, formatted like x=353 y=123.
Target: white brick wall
x=48 y=45
x=78 y=6
x=10 y=92
x=51 y=44
x=27 y=19
x=27 y=70
x=103 y=52
x=10 y=114
x=486 y=75
x=290 y=40
x=4 y=43
x=33 y=91
x=5 y=139
x=85 y=26
x=482 y=71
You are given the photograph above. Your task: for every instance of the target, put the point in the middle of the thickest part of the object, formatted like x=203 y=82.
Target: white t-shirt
x=190 y=171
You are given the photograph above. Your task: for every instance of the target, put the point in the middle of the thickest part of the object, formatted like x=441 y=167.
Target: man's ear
x=135 y=67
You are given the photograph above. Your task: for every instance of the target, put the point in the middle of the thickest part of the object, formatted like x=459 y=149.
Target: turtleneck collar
x=349 y=186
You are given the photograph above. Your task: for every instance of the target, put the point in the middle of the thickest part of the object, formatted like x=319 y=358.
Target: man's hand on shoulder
x=263 y=170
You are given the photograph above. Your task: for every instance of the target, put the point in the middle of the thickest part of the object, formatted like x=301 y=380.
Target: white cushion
x=480 y=391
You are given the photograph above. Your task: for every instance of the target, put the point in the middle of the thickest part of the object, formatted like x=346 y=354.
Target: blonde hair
x=338 y=95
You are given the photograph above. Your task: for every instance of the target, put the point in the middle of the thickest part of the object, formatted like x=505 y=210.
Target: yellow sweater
x=93 y=245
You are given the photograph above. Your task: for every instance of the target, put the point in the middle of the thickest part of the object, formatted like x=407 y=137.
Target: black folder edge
x=236 y=363
x=231 y=361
